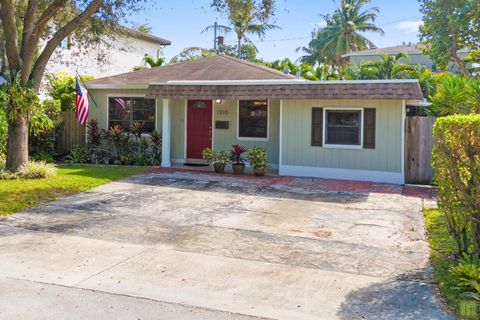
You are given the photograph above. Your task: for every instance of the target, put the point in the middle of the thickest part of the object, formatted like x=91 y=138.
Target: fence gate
x=70 y=133
x=418 y=149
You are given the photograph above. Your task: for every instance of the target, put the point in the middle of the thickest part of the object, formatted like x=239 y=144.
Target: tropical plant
x=78 y=154
x=145 y=28
x=247 y=17
x=213 y=157
x=456 y=95
x=37 y=170
x=3 y=132
x=33 y=30
x=343 y=33
x=94 y=134
x=236 y=153
x=137 y=129
x=61 y=86
x=391 y=67
x=257 y=157
x=467 y=273
x=154 y=62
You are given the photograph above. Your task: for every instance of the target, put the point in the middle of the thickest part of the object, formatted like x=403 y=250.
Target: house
x=332 y=129
x=117 y=55
x=414 y=51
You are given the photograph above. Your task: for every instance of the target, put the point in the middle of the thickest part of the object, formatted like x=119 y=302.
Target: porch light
x=218 y=101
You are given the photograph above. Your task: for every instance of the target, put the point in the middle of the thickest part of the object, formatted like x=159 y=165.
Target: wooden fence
x=70 y=133
x=418 y=149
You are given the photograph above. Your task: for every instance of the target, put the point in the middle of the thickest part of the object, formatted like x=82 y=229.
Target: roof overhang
x=287 y=89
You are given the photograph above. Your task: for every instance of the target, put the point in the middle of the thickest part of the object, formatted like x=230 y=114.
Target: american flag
x=81 y=101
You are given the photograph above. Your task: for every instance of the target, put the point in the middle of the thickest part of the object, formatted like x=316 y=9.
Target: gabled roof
x=219 y=67
x=144 y=36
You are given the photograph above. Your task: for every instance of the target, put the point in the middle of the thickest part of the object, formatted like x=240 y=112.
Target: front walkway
x=181 y=244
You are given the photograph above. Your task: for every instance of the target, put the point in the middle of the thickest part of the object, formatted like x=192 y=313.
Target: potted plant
x=238 y=164
x=218 y=159
x=258 y=160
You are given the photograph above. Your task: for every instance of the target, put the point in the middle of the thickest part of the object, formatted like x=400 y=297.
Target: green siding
x=223 y=139
x=100 y=111
x=177 y=133
x=296 y=137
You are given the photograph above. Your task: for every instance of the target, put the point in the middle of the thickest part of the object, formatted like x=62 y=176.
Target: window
x=253 y=119
x=126 y=111
x=343 y=127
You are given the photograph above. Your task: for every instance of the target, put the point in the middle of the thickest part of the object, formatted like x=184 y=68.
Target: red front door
x=199 y=127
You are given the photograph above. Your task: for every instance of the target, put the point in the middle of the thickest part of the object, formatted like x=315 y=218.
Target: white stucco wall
x=121 y=56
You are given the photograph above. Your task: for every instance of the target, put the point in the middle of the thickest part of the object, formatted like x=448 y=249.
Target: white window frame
x=129 y=95
x=342 y=146
x=238 y=122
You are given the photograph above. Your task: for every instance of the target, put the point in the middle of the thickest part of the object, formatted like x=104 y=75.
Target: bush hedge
x=456 y=160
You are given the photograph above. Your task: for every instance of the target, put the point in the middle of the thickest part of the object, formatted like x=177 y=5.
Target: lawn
x=17 y=195
x=442 y=248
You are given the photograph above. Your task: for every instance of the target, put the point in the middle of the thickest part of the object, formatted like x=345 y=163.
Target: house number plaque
x=222 y=112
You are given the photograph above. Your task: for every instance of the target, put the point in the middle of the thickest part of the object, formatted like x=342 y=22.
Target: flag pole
x=80 y=78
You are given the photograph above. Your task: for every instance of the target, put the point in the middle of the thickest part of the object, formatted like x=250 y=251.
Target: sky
x=182 y=22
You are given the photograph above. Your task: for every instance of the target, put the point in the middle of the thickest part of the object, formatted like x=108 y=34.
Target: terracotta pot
x=238 y=168
x=258 y=172
x=219 y=167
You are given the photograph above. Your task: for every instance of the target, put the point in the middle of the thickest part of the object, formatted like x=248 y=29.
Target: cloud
x=409 y=26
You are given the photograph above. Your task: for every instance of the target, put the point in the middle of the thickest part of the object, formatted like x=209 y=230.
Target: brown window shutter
x=369 y=117
x=317 y=127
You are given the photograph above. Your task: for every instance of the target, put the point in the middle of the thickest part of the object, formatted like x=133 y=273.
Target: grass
x=19 y=194
x=442 y=249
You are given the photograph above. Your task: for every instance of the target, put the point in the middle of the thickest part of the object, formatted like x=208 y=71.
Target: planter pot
x=259 y=172
x=238 y=168
x=219 y=167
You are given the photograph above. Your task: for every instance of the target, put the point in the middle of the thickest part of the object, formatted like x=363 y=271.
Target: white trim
x=238 y=122
x=342 y=146
x=342 y=174
x=404 y=117
x=274 y=82
x=185 y=130
x=116 y=86
x=213 y=124
x=280 y=134
x=166 y=134
x=156 y=114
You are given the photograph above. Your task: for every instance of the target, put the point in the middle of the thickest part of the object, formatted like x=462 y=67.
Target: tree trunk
x=17 y=143
x=454 y=55
x=239 y=49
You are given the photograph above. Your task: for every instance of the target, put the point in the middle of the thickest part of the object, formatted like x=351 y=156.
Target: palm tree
x=456 y=95
x=342 y=34
x=390 y=67
x=145 y=28
x=245 y=18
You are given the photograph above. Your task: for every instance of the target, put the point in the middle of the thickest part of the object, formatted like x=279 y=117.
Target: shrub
x=36 y=170
x=456 y=160
x=258 y=158
x=456 y=95
x=3 y=162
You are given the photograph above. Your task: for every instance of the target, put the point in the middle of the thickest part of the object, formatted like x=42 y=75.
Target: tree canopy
x=449 y=26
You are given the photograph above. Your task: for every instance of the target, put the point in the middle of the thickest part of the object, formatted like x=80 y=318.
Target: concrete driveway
x=184 y=245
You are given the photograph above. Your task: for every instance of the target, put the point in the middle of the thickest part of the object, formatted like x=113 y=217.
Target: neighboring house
x=414 y=51
x=127 y=51
x=332 y=129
